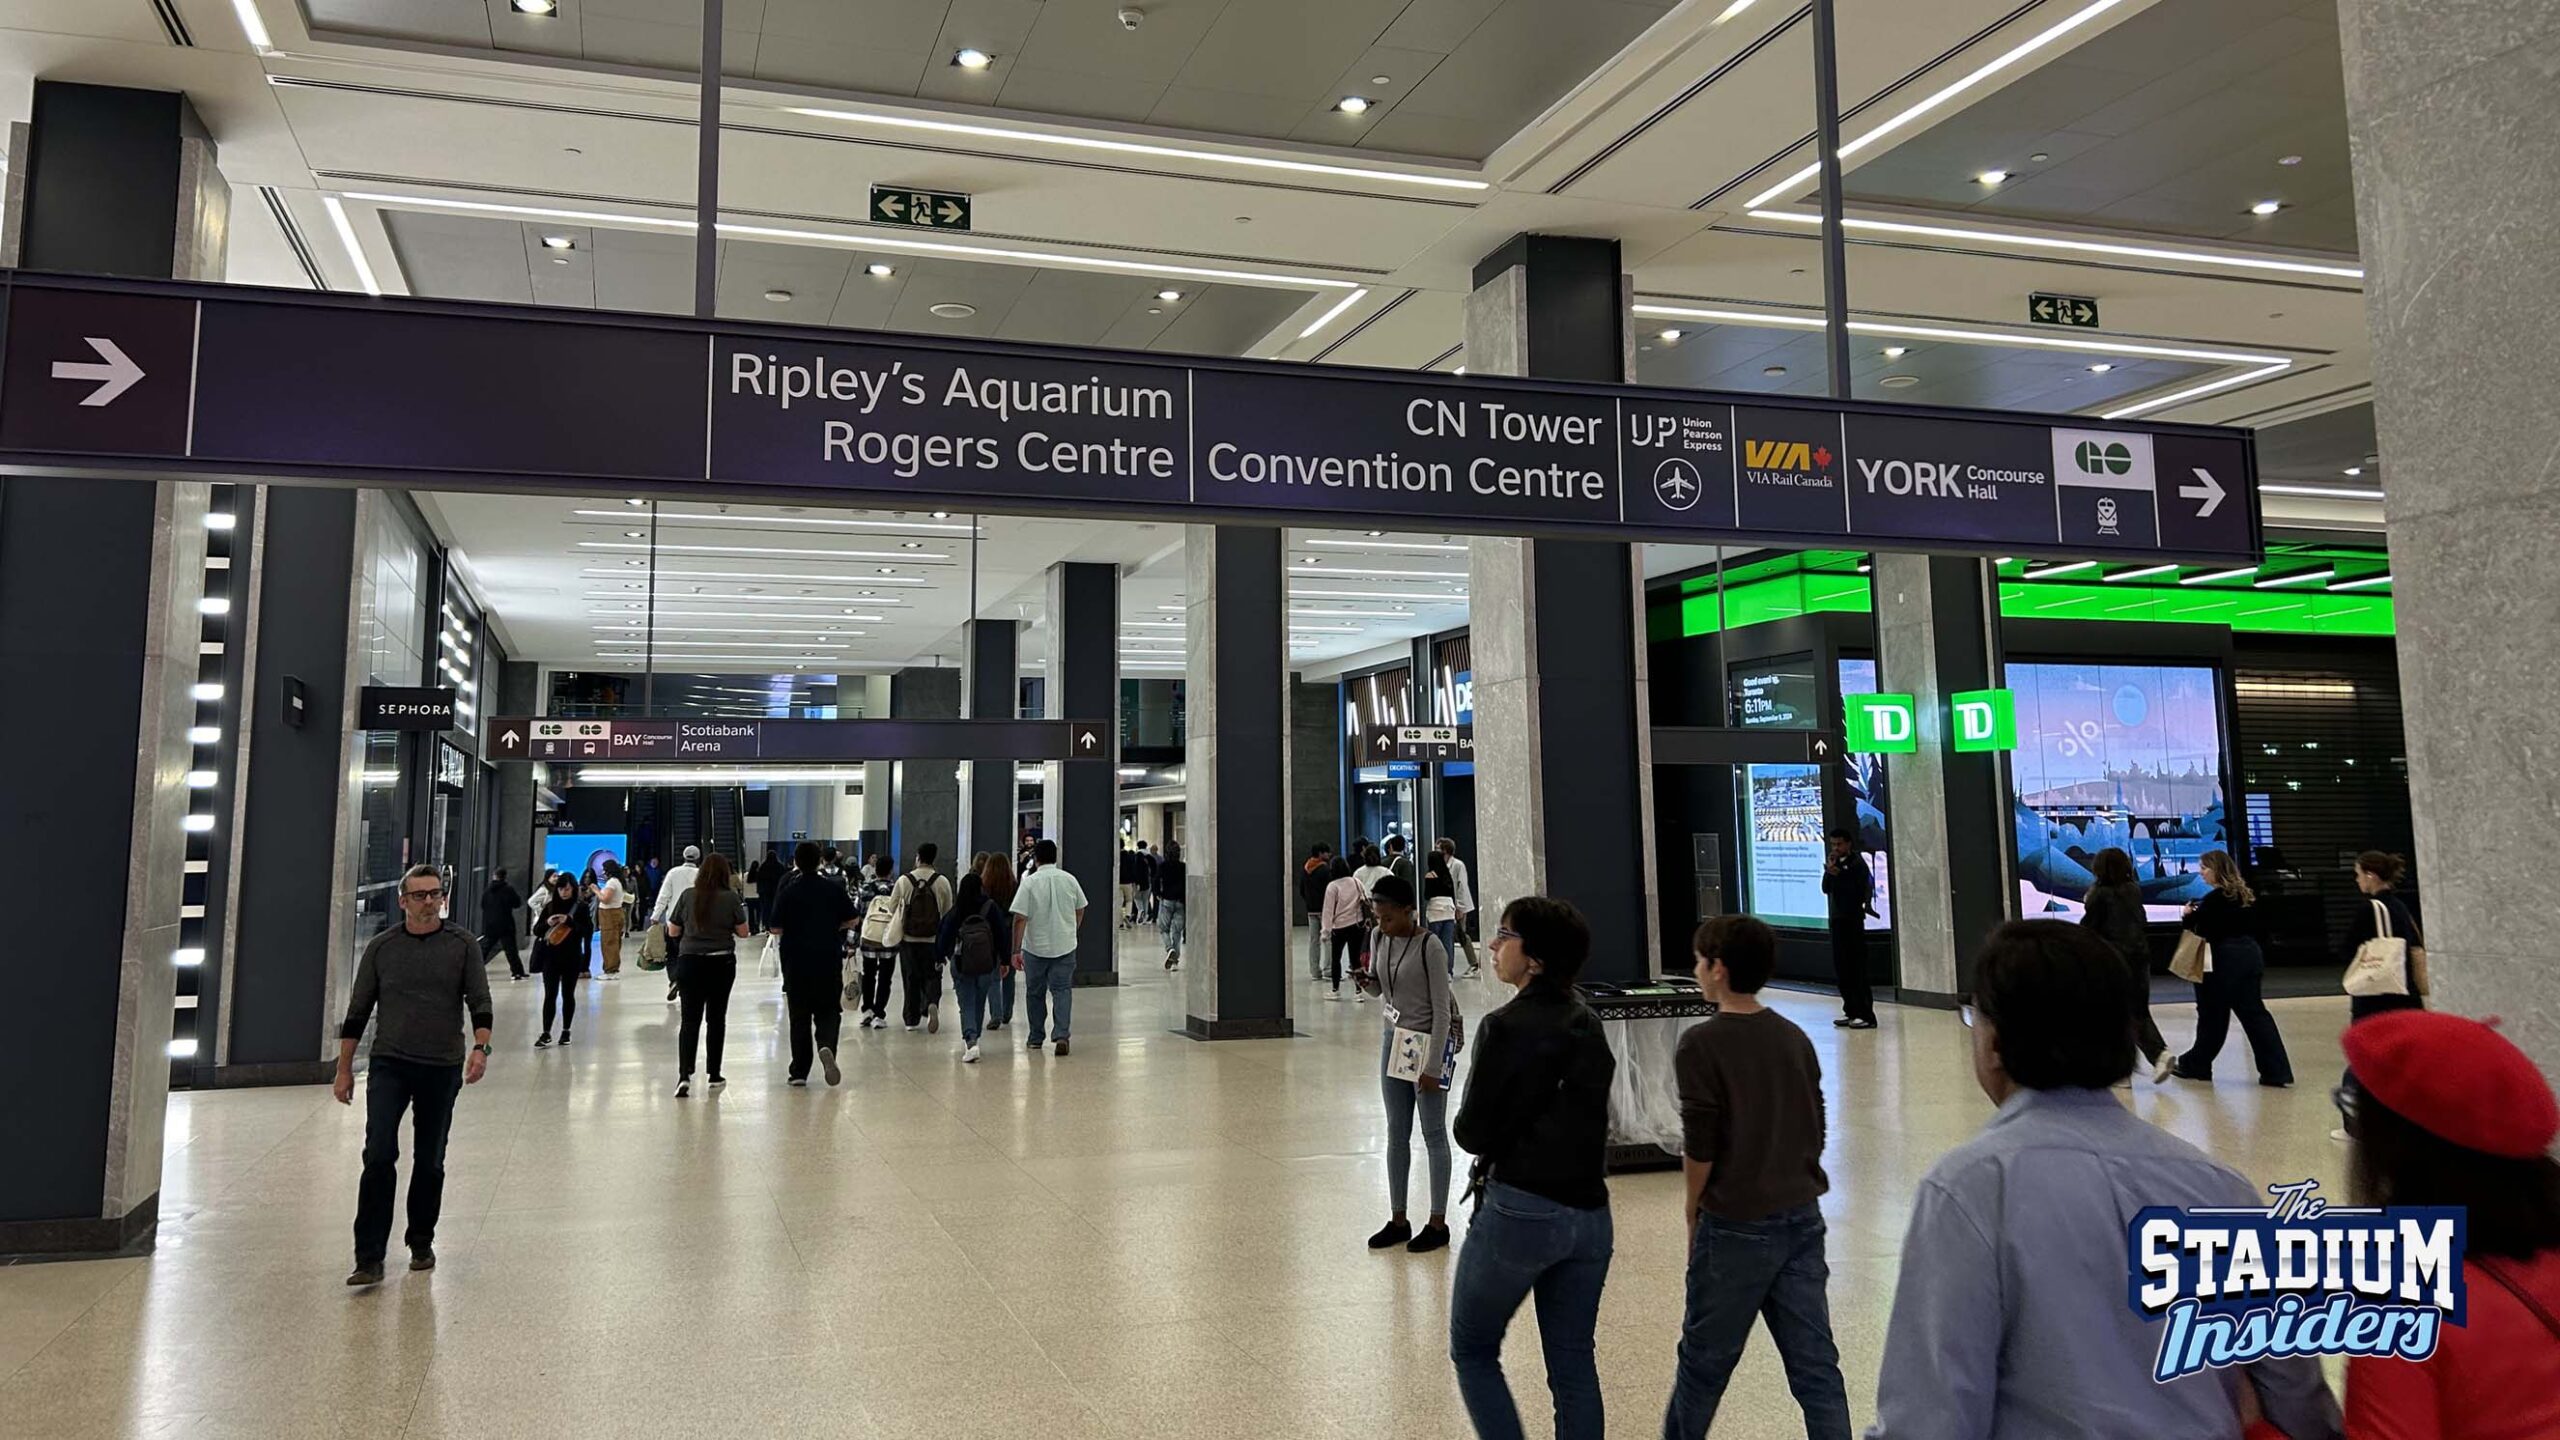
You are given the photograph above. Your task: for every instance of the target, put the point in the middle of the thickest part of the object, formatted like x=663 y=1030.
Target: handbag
x=2194 y=959
x=653 y=947
x=2381 y=964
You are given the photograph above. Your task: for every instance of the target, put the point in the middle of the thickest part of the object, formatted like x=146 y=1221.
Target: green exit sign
x=922 y=209
x=1983 y=720
x=2077 y=311
x=1882 y=724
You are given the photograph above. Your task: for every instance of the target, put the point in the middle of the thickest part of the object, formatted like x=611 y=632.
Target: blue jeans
x=425 y=1094
x=1447 y=930
x=1000 y=999
x=976 y=995
x=1523 y=1244
x=1773 y=1269
x=1169 y=925
x=1052 y=979
x=1403 y=1099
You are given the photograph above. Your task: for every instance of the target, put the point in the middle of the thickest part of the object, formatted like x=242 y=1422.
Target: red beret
x=2456 y=1078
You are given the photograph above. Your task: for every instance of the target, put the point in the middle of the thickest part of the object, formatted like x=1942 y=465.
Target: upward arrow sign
x=1086 y=740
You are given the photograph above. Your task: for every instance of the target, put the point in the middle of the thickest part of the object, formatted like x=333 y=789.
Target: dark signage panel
x=105 y=376
x=693 y=740
x=404 y=707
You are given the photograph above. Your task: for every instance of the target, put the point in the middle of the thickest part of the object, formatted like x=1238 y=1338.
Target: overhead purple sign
x=103 y=376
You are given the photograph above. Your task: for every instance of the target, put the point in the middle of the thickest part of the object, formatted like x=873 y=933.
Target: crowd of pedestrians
x=2008 y=1315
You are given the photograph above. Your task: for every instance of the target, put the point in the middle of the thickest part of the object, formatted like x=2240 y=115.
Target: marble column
x=1564 y=783
x=1081 y=801
x=1950 y=885
x=924 y=797
x=2457 y=170
x=1315 y=770
x=992 y=692
x=98 y=587
x=1236 y=760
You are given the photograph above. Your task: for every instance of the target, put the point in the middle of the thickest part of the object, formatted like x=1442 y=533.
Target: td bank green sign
x=1882 y=724
x=1982 y=720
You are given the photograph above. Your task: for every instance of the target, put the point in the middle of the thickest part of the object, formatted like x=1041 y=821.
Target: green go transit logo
x=2109 y=458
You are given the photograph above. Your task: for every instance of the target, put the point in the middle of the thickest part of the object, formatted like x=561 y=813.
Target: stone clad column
x=1239 y=868
x=1935 y=637
x=1082 y=798
x=2457 y=168
x=1564 y=790
x=924 y=800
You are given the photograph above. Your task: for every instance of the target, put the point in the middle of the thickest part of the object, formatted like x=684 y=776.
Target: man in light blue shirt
x=2010 y=1320
x=1048 y=913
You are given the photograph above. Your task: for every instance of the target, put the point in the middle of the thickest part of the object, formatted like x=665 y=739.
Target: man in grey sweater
x=424 y=976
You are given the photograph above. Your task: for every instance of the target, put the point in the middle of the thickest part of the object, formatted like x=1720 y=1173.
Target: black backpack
x=924 y=909
x=973 y=949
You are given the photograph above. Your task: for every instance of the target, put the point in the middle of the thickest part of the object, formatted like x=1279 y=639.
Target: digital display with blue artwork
x=2121 y=755
x=583 y=855
x=1862 y=784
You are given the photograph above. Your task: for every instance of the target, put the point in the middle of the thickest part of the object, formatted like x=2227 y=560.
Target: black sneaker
x=717 y=1081
x=422 y=1257
x=684 y=1089
x=1429 y=1238
x=827 y=1062
x=798 y=1082
x=544 y=1043
x=1061 y=1051
x=1396 y=1233
x=365 y=1274
x=564 y=1037
x=1859 y=1024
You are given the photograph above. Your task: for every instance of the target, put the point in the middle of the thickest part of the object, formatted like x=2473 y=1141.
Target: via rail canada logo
x=2296 y=1277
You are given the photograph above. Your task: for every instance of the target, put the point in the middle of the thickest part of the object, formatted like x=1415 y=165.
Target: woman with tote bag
x=2226 y=921
x=2386 y=961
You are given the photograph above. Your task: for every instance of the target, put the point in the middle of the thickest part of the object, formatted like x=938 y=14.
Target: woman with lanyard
x=1410 y=972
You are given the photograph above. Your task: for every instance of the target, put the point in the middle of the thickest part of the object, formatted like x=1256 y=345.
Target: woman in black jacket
x=560 y=929
x=1170 y=878
x=498 y=906
x=2377 y=874
x=2227 y=920
x=2113 y=911
x=1536 y=1117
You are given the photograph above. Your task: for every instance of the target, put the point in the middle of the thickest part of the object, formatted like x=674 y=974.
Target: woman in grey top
x=705 y=923
x=1409 y=970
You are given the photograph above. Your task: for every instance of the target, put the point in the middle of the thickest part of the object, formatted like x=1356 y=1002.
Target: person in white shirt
x=922 y=897
x=1466 y=899
x=1345 y=922
x=678 y=881
x=1048 y=919
x=613 y=897
x=1372 y=869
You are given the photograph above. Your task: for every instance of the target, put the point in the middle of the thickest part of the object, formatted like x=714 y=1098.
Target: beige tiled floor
x=1151 y=1237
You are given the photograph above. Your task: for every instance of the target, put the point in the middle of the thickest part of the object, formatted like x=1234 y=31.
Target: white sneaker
x=1334 y=995
x=2164 y=1068
x=1362 y=997
x=913 y=1028
x=969 y=1056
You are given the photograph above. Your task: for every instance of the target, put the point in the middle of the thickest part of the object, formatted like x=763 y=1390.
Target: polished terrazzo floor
x=1152 y=1237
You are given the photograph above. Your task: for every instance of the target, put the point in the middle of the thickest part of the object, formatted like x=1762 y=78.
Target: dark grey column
x=924 y=795
x=519 y=693
x=285 y=932
x=1935 y=635
x=1315 y=772
x=1083 y=798
x=993 y=686
x=1563 y=747
x=98 y=587
x=1236 y=774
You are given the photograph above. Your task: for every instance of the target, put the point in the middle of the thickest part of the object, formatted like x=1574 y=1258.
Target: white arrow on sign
x=1383 y=742
x=511 y=739
x=950 y=212
x=115 y=377
x=893 y=205
x=2210 y=492
x=1086 y=740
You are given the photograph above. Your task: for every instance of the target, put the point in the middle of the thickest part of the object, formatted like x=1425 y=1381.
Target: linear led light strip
x=1328 y=317
x=347 y=238
x=1382 y=544
x=1367 y=573
x=624 y=617
x=1981 y=73
x=2268 y=364
x=1410 y=598
x=2077 y=247
x=1139 y=147
x=697 y=517
x=2320 y=492
x=911 y=556
x=864 y=241
x=754 y=575
x=662 y=775
x=624 y=625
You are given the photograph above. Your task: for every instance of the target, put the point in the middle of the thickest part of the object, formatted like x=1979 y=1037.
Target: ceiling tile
x=460 y=257
x=1071 y=307
x=839 y=64
x=1227 y=319
x=993 y=289
x=1226 y=112
x=617 y=41
x=448 y=22
x=812 y=277
x=1289 y=50
x=1082 y=35
x=1067 y=92
x=560 y=277
x=1527 y=54
x=910 y=25
x=1437 y=25
x=735 y=15
x=1407 y=131
x=867 y=301
x=557 y=34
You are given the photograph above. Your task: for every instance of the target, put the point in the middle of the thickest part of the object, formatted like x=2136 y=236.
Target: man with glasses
x=423 y=976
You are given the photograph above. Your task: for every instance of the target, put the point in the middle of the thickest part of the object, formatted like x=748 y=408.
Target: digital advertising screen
x=1774 y=694
x=583 y=855
x=2128 y=756
x=1862 y=784
x=1782 y=838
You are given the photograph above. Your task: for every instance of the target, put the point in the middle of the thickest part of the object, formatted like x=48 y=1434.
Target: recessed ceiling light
x=559 y=259
x=534 y=7
x=1168 y=296
x=1899 y=382
x=2040 y=157
x=953 y=310
x=1669 y=337
x=559 y=242
x=2355 y=469
x=635 y=500
x=971 y=58
x=633 y=534
x=1992 y=177
x=879 y=270
x=888 y=570
x=1774 y=370
x=911 y=545
x=778 y=297
x=1352 y=104
x=941 y=514
x=2101 y=368
x=1375 y=534
x=2288 y=159
x=1896 y=352
x=2266 y=207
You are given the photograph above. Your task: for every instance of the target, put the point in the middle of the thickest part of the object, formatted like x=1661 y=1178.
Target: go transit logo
x=2298 y=1277
x=2103 y=457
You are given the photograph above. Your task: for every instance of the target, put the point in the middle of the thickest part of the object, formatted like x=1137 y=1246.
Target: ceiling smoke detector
x=953 y=310
x=1131 y=17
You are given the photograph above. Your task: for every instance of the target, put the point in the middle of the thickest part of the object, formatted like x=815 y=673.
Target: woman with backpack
x=879 y=957
x=974 y=942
